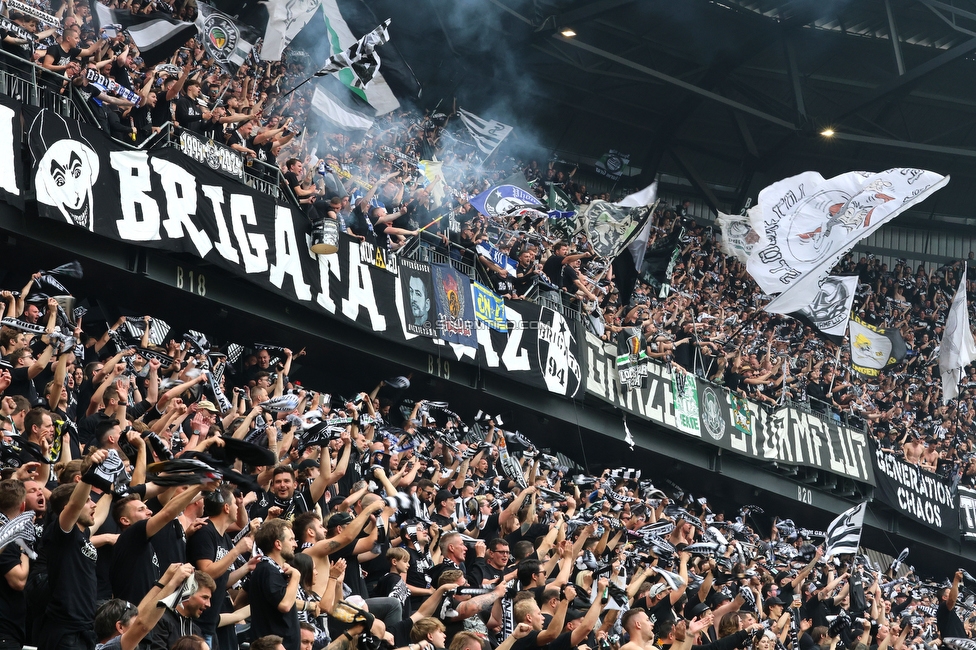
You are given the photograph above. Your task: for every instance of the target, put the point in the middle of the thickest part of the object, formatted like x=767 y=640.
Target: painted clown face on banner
x=64 y=179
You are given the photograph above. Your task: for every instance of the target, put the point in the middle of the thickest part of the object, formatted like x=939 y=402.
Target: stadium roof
x=731 y=95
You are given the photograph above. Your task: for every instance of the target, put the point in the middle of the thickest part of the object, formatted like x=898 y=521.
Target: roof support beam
x=905 y=82
x=696 y=180
x=794 y=70
x=588 y=11
x=915 y=146
x=675 y=82
x=895 y=40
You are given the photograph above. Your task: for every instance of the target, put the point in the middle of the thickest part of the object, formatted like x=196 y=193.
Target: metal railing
x=257 y=175
x=37 y=86
x=828 y=413
x=436 y=252
x=34 y=85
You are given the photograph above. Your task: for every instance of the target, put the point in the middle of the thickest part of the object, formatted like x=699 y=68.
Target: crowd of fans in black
x=314 y=521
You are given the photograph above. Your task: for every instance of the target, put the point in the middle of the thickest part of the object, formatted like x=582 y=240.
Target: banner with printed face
x=164 y=200
x=915 y=493
x=712 y=415
x=418 y=297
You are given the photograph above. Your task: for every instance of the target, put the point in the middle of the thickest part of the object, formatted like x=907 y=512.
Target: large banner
x=164 y=200
x=11 y=146
x=967 y=513
x=712 y=415
x=914 y=493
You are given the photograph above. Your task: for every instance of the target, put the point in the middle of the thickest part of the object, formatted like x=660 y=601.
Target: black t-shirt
x=22 y=50
x=392 y=586
x=121 y=74
x=164 y=110
x=354 y=577
x=482 y=573
x=188 y=113
x=208 y=544
x=949 y=623
x=445 y=565
x=553 y=268
x=266 y=588
x=13 y=604
x=418 y=575
x=135 y=566
x=561 y=642
x=535 y=530
x=236 y=138
x=71 y=574
x=293 y=181
x=61 y=57
x=170 y=542
x=22 y=384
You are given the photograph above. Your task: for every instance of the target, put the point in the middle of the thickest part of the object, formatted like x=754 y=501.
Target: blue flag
x=511 y=193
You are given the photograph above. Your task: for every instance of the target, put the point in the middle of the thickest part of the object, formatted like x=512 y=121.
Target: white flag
x=830 y=308
x=487 y=134
x=809 y=223
x=286 y=18
x=336 y=112
x=844 y=533
x=958 y=348
x=738 y=237
x=638 y=247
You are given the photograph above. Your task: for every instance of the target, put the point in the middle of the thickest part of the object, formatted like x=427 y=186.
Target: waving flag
x=511 y=193
x=157 y=35
x=830 y=308
x=223 y=38
x=738 y=237
x=874 y=348
x=360 y=57
x=844 y=533
x=809 y=223
x=958 y=348
x=286 y=18
x=612 y=164
x=487 y=134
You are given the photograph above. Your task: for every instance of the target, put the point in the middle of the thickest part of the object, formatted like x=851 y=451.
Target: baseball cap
x=339 y=519
x=207 y=405
x=772 y=601
x=697 y=610
x=657 y=589
x=442 y=496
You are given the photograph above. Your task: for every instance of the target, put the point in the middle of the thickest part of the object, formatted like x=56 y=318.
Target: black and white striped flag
x=844 y=533
x=361 y=57
x=158 y=36
x=625 y=474
x=158 y=329
x=487 y=134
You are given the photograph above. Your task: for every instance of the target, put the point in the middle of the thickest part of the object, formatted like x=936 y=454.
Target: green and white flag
x=685 y=391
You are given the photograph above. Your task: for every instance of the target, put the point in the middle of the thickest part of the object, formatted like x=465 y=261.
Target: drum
x=325 y=237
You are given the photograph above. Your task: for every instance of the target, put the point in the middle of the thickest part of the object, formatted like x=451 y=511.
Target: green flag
x=562 y=226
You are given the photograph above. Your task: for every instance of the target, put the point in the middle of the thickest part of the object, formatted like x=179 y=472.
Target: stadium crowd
x=249 y=502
